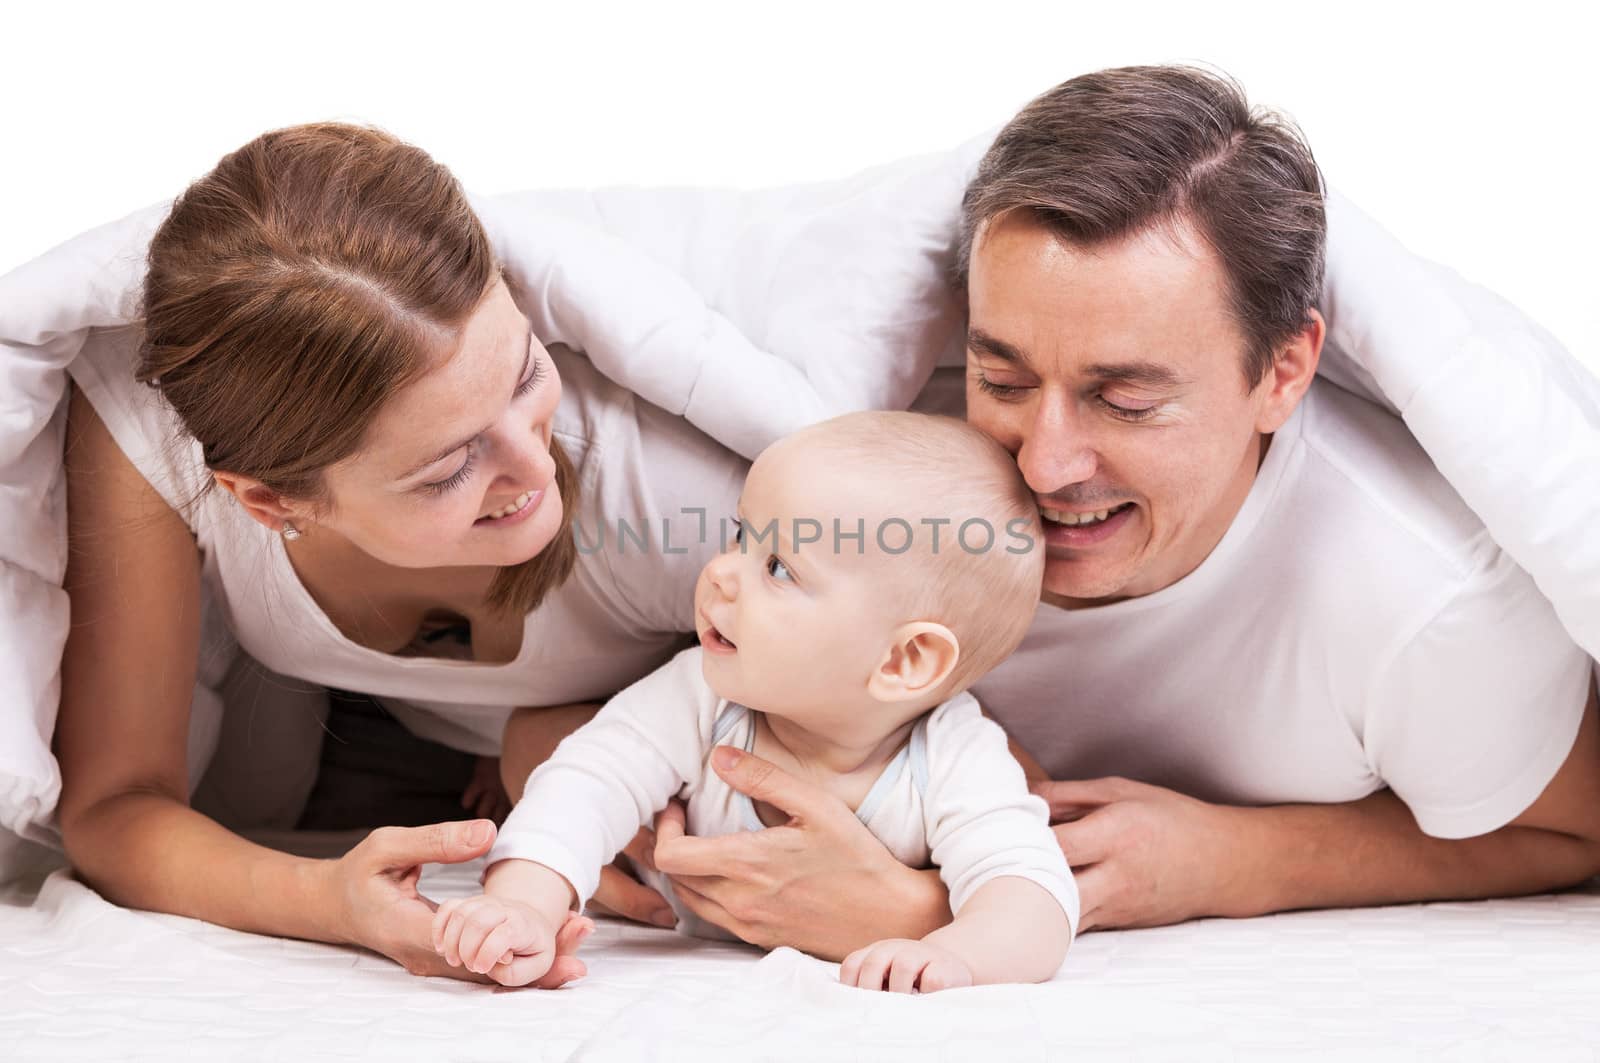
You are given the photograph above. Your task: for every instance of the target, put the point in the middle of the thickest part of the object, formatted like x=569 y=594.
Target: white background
x=1468 y=132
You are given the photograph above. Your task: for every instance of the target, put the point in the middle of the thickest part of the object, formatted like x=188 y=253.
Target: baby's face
x=794 y=627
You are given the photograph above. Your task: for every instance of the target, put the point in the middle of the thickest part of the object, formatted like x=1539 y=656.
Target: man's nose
x=1056 y=451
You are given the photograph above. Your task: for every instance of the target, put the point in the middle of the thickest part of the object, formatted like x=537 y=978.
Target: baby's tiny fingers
x=904 y=970
x=944 y=974
x=875 y=966
x=495 y=950
x=851 y=967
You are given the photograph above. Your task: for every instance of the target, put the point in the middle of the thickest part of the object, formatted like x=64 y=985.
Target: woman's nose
x=525 y=460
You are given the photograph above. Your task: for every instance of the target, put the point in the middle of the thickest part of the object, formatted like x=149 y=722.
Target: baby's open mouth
x=717 y=638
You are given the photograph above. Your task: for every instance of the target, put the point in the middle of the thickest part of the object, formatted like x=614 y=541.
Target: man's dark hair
x=1114 y=153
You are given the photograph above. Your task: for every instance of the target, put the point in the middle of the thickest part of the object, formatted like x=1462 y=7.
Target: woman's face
x=456 y=468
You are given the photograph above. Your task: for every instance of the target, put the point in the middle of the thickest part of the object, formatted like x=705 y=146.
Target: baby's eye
x=778 y=570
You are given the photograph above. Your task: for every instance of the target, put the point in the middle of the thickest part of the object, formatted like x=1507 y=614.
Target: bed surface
x=83 y=979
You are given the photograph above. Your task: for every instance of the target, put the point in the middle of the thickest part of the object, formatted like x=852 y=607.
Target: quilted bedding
x=1508 y=979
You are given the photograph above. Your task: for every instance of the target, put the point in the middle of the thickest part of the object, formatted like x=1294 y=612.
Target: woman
x=337 y=422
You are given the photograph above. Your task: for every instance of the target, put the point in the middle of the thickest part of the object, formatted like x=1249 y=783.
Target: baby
x=883 y=563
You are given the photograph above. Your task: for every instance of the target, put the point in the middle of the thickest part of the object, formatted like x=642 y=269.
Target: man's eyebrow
x=1148 y=374
x=981 y=341
x=452 y=448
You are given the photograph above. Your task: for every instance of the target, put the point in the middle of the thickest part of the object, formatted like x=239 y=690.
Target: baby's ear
x=920 y=658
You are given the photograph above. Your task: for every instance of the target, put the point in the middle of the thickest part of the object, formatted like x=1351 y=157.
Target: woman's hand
x=485 y=795
x=374 y=894
x=820 y=882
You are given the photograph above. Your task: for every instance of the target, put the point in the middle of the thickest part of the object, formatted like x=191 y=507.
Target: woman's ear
x=920 y=658
x=265 y=506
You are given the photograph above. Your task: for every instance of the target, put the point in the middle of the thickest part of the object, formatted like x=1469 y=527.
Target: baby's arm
x=1010 y=930
x=577 y=811
x=1015 y=902
x=516 y=929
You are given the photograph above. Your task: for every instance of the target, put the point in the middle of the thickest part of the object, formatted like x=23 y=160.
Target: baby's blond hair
x=984 y=588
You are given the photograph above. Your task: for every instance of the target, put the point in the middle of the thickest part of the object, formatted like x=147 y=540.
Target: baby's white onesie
x=953 y=797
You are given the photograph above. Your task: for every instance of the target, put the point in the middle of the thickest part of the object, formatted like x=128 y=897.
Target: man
x=1314 y=678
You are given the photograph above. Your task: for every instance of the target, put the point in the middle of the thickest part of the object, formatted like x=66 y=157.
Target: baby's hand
x=509 y=941
x=901 y=966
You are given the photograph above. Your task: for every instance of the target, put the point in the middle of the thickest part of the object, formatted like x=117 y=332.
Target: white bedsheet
x=1517 y=979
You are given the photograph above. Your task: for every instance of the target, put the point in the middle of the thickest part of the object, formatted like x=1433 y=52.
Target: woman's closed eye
x=535 y=374
x=455 y=479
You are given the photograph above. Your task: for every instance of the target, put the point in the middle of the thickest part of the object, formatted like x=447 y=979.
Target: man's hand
x=820 y=882
x=1143 y=855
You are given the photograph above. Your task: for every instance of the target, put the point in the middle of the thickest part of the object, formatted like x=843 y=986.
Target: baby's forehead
x=826 y=484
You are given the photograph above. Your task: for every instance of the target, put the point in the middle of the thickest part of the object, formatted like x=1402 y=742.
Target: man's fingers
x=671 y=822
x=438 y=843
x=764 y=781
x=1070 y=798
x=1093 y=883
x=631 y=899
x=1088 y=840
x=689 y=855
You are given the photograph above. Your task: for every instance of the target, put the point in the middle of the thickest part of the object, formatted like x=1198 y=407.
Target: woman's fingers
x=623 y=895
x=396 y=848
x=703 y=907
x=566 y=966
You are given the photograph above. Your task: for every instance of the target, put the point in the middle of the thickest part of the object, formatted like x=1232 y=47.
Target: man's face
x=1115 y=375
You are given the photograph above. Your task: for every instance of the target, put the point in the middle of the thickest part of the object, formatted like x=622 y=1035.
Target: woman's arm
x=127 y=678
x=128 y=673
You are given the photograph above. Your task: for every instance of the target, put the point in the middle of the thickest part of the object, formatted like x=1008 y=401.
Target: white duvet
x=1492 y=980
x=752 y=313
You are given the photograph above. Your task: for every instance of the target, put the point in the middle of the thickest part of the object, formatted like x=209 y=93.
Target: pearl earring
x=290 y=532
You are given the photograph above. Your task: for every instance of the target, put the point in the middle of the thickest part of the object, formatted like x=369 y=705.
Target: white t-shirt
x=622 y=613
x=954 y=797
x=1355 y=628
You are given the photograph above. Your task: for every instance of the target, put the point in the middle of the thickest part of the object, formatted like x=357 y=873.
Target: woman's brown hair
x=296 y=287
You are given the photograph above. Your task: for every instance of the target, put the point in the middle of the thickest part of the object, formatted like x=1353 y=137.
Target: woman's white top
x=953 y=797
x=623 y=612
